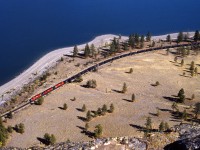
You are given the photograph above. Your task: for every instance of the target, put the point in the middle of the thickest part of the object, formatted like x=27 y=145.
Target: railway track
x=89 y=69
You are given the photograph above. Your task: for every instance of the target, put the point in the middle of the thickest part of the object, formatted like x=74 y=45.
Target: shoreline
x=50 y=59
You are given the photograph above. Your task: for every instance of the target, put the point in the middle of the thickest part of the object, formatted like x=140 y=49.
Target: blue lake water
x=31 y=28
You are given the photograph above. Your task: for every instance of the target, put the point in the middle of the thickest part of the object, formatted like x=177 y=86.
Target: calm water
x=31 y=28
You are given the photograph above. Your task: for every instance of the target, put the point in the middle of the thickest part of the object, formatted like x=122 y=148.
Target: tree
x=20 y=128
x=182 y=62
x=180 y=37
x=157 y=83
x=65 y=106
x=91 y=84
x=168 y=38
x=162 y=127
x=86 y=127
x=3 y=133
x=124 y=88
x=153 y=43
x=10 y=115
x=131 y=70
x=104 y=109
x=196 y=36
x=83 y=108
x=98 y=131
x=133 y=98
x=52 y=139
x=175 y=59
x=193 y=97
x=196 y=71
x=131 y=41
x=99 y=111
x=166 y=126
x=197 y=109
x=88 y=116
x=148 y=124
x=181 y=96
x=184 y=115
x=174 y=106
x=192 y=66
x=93 y=50
x=125 y=46
x=39 y=101
x=75 y=51
x=10 y=129
x=148 y=37
x=111 y=108
x=87 y=51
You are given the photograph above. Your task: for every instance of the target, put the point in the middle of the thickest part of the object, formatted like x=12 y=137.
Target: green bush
x=39 y=101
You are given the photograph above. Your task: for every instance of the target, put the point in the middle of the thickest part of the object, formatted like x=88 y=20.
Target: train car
x=36 y=97
x=47 y=91
x=59 y=85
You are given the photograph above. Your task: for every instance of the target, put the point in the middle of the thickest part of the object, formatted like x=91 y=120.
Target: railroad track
x=92 y=68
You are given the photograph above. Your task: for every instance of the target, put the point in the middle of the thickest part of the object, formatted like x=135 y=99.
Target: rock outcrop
x=189 y=138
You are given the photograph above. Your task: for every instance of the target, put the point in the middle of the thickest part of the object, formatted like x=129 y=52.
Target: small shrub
x=10 y=115
x=88 y=116
x=124 y=88
x=39 y=101
x=131 y=70
x=86 y=127
x=133 y=98
x=91 y=84
x=65 y=106
x=104 y=109
x=83 y=108
x=157 y=83
x=20 y=128
x=98 y=131
x=49 y=139
x=78 y=79
x=112 y=108
x=193 y=97
x=10 y=129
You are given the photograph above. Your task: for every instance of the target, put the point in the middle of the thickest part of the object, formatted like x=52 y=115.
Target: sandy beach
x=50 y=59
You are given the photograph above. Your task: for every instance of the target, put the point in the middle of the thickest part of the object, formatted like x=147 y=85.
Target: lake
x=31 y=28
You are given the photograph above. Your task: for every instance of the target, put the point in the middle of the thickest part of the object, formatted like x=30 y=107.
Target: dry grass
x=147 y=69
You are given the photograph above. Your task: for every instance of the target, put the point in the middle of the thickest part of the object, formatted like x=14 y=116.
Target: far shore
x=50 y=59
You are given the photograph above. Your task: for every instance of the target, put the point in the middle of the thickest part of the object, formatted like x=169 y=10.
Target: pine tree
x=104 y=109
x=196 y=36
x=174 y=106
x=87 y=51
x=153 y=43
x=52 y=139
x=181 y=96
x=133 y=98
x=192 y=66
x=125 y=46
x=64 y=106
x=86 y=127
x=99 y=111
x=148 y=124
x=148 y=37
x=98 y=131
x=124 y=89
x=131 y=70
x=10 y=129
x=92 y=50
x=111 y=108
x=193 y=97
x=184 y=115
x=197 y=109
x=182 y=62
x=88 y=116
x=83 y=108
x=162 y=127
x=168 y=38
x=180 y=37
x=166 y=126
x=75 y=51
x=196 y=71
